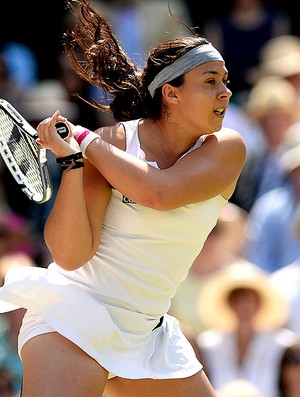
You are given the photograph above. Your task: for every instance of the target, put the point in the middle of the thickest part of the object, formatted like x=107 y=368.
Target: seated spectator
x=272 y=107
x=280 y=57
x=237 y=118
x=245 y=339
x=273 y=236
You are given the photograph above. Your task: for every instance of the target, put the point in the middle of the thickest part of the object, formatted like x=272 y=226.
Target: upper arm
x=96 y=188
x=115 y=135
x=97 y=193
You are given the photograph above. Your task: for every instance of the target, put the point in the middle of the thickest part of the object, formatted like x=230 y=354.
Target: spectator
x=273 y=108
x=237 y=118
x=273 y=237
x=245 y=339
x=289 y=372
x=280 y=57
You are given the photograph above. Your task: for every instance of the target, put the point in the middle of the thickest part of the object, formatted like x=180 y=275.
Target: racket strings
x=20 y=153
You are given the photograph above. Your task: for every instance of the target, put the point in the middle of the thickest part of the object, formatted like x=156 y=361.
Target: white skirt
x=124 y=342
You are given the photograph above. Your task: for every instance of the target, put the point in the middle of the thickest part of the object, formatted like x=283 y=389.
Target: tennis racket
x=23 y=156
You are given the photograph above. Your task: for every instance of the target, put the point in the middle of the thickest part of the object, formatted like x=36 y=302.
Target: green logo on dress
x=127 y=200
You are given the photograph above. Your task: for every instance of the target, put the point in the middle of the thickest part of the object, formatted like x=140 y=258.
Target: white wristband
x=84 y=137
x=87 y=140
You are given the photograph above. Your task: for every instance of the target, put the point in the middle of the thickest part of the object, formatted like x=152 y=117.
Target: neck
x=244 y=336
x=163 y=142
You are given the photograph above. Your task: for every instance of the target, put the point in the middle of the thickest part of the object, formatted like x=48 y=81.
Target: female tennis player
x=128 y=220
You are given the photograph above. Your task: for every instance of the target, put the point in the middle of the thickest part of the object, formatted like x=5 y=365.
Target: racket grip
x=62 y=129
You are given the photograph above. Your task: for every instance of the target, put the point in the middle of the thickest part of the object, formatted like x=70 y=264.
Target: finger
x=40 y=142
x=43 y=123
x=62 y=118
x=53 y=120
x=55 y=117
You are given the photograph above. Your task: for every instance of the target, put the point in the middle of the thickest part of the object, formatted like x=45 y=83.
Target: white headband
x=197 y=56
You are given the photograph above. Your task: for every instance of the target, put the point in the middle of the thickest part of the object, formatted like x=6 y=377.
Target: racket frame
x=39 y=152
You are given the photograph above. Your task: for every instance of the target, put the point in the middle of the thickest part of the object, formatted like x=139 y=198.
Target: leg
x=197 y=386
x=53 y=366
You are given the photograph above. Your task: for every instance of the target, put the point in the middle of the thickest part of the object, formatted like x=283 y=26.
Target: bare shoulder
x=227 y=149
x=114 y=134
x=228 y=140
x=229 y=134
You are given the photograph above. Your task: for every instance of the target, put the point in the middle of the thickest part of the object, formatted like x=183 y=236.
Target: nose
x=226 y=92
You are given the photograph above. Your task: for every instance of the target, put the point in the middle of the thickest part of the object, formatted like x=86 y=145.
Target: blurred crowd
x=240 y=303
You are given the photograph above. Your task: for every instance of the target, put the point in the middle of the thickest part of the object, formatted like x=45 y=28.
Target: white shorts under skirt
x=33 y=325
x=125 y=343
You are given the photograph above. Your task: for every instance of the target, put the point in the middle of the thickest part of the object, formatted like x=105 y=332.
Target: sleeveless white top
x=110 y=306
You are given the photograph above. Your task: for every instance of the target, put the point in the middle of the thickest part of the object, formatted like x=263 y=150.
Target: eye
x=211 y=81
x=226 y=81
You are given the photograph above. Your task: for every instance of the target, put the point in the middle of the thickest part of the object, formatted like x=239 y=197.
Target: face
x=275 y=124
x=204 y=96
x=291 y=378
x=244 y=302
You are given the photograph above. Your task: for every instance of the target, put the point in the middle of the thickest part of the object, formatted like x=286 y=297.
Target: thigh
x=197 y=386
x=53 y=366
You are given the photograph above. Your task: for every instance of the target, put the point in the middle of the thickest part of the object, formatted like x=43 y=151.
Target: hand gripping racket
x=24 y=157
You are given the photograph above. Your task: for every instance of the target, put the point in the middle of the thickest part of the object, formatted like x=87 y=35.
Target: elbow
x=161 y=205
x=158 y=200
x=68 y=266
x=70 y=255
x=70 y=261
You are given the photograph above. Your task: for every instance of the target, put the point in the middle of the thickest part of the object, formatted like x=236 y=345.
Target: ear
x=170 y=93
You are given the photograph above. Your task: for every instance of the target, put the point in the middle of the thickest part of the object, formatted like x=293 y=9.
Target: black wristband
x=71 y=158
x=73 y=165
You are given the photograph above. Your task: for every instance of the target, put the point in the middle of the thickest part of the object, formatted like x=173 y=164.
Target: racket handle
x=62 y=129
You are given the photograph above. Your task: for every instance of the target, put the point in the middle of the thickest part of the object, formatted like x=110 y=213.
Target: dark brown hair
x=290 y=357
x=97 y=57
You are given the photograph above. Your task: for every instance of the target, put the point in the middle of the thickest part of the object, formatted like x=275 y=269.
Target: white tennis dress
x=111 y=305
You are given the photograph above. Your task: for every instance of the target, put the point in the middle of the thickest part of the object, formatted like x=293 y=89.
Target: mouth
x=220 y=112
